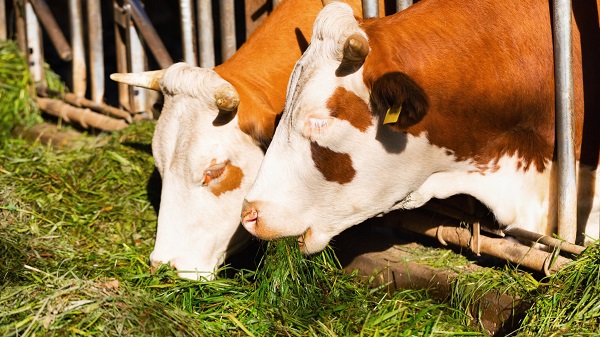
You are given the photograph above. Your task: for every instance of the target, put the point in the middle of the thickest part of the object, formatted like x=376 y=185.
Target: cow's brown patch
x=346 y=105
x=231 y=180
x=333 y=165
x=489 y=97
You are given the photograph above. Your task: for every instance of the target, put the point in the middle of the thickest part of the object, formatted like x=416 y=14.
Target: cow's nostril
x=250 y=217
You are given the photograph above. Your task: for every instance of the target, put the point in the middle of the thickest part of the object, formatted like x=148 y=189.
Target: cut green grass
x=78 y=223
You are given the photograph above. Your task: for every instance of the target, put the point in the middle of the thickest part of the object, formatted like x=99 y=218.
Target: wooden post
x=256 y=12
x=3 y=34
x=56 y=35
x=121 y=20
x=95 y=42
x=20 y=23
x=78 y=65
x=35 y=50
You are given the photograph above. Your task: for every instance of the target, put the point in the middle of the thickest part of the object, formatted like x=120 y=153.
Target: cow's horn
x=356 y=48
x=147 y=79
x=227 y=98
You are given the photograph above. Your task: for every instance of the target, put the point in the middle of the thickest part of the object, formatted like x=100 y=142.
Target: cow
x=444 y=98
x=211 y=136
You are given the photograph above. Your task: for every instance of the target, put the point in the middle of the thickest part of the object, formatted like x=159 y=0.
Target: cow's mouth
x=303 y=239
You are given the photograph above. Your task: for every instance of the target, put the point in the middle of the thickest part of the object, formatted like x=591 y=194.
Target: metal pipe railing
x=205 y=34
x=370 y=9
x=96 y=50
x=403 y=4
x=563 y=81
x=186 y=8
x=446 y=232
x=227 y=23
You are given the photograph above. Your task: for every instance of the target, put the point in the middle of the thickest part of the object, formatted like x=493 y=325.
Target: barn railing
x=134 y=34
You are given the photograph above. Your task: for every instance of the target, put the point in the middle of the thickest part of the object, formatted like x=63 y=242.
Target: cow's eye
x=214 y=172
x=316 y=126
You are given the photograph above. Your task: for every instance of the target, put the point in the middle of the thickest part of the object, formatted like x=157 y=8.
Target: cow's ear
x=398 y=100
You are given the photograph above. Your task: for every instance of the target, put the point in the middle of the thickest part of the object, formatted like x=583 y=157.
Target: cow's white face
x=332 y=164
x=207 y=165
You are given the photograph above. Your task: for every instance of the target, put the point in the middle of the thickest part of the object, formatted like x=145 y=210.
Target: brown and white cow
x=447 y=97
x=208 y=148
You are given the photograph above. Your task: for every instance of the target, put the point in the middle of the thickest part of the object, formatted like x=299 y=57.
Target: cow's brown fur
x=262 y=88
x=230 y=181
x=333 y=165
x=472 y=60
x=344 y=104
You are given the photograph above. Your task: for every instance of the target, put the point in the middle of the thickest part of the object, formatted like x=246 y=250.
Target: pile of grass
x=17 y=90
x=569 y=301
x=77 y=225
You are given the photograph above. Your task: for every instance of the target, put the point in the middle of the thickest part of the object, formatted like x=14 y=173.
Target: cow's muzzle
x=255 y=223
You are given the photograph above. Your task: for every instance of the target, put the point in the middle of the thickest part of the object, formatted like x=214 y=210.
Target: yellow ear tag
x=392 y=114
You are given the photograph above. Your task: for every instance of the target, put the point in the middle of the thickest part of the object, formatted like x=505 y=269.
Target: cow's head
x=206 y=163
x=332 y=163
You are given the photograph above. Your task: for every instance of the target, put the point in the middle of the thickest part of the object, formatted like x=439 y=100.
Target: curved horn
x=227 y=98
x=356 y=48
x=147 y=79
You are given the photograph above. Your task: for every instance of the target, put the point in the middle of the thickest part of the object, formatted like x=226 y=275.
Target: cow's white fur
x=294 y=196
x=195 y=227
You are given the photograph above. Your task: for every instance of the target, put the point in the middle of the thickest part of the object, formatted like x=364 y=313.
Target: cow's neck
x=260 y=69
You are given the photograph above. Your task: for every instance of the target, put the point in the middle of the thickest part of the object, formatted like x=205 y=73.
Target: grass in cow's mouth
x=77 y=225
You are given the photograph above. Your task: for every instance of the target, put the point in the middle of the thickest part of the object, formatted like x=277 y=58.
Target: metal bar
x=20 y=23
x=403 y=4
x=56 y=35
x=35 y=50
x=528 y=257
x=545 y=240
x=563 y=81
x=206 y=34
x=96 y=50
x=136 y=63
x=78 y=65
x=121 y=19
x=186 y=8
x=3 y=34
x=227 y=19
x=151 y=37
x=370 y=9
